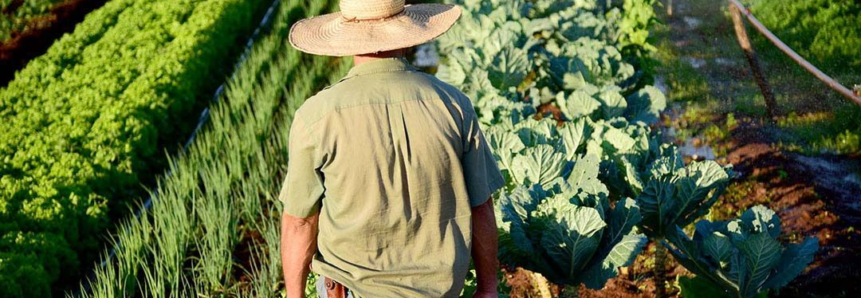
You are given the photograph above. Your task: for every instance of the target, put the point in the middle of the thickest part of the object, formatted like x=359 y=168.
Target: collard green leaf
x=584 y=177
x=718 y=247
x=578 y=104
x=694 y=185
x=612 y=104
x=539 y=165
x=656 y=206
x=509 y=68
x=646 y=105
x=516 y=208
x=761 y=254
x=760 y=219
x=452 y=72
x=677 y=199
x=622 y=254
x=573 y=238
x=573 y=135
x=792 y=262
x=742 y=259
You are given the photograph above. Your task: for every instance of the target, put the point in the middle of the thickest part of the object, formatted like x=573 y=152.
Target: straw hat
x=372 y=26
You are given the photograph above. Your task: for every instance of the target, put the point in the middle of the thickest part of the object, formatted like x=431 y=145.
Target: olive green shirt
x=394 y=160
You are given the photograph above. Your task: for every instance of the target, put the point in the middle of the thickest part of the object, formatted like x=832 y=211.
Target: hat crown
x=370 y=9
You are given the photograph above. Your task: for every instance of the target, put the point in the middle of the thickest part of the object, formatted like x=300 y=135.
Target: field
x=85 y=124
x=29 y=27
x=628 y=171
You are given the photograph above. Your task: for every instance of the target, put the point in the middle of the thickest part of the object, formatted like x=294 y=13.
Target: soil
x=24 y=46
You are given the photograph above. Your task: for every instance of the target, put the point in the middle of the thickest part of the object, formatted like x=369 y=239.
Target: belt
x=335 y=289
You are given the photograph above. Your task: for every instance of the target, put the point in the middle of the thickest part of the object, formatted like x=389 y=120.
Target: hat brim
x=332 y=35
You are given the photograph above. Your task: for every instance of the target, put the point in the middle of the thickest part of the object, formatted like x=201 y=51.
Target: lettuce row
x=83 y=126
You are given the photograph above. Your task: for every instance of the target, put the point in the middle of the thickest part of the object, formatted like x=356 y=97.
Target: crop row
x=567 y=112
x=18 y=16
x=213 y=225
x=84 y=125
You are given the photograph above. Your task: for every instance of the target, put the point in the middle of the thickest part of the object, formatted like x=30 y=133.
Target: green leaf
x=578 y=104
x=693 y=184
x=719 y=247
x=539 y=165
x=584 y=176
x=516 y=208
x=760 y=255
x=657 y=206
x=792 y=262
x=760 y=219
x=698 y=287
x=646 y=105
x=573 y=134
x=573 y=238
x=509 y=68
x=624 y=253
x=612 y=104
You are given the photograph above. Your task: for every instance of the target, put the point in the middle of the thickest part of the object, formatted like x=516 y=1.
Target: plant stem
x=570 y=292
x=660 y=268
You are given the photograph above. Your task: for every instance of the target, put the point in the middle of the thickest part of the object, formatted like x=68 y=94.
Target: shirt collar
x=381 y=65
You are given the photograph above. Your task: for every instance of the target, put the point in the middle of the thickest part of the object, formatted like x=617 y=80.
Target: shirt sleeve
x=480 y=170
x=303 y=187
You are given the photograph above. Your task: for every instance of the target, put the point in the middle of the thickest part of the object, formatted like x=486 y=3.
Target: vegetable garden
x=563 y=90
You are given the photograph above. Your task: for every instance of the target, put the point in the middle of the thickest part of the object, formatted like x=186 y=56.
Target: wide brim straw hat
x=372 y=26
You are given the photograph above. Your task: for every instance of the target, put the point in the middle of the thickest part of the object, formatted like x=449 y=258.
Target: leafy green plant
x=84 y=125
x=741 y=257
x=216 y=206
x=568 y=231
x=514 y=58
x=674 y=196
x=20 y=16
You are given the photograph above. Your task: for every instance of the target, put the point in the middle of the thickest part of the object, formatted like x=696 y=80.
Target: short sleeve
x=303 y=187
x=480 y=170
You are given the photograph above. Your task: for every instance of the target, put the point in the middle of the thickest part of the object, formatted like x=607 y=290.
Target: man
x=389 y=181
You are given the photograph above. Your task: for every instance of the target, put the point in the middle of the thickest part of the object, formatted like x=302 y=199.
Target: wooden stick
x=836 y=86
x=753 y=60
x=669 y=8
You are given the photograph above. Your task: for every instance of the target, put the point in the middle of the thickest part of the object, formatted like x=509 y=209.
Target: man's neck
x=360 y=59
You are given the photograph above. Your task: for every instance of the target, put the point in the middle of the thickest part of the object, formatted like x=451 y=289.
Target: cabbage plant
x=566 y=228
x=566 y=211
x=674 y=196
x=742 y=257
x=556 y=216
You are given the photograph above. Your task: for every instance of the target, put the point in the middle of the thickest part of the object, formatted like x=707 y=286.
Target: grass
x=813 y=119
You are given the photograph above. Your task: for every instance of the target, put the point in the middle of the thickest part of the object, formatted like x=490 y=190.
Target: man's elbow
x=297 y=226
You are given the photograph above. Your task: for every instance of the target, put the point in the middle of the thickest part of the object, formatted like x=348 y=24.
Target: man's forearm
x=298 y=245
x=484 y=246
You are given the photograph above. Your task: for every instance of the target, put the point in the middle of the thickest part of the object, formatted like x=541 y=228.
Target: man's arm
x=484 y=248
x=298 y=245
